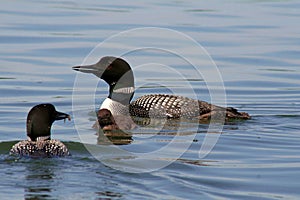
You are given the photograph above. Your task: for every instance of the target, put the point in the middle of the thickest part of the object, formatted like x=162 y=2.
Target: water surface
x=255 y=45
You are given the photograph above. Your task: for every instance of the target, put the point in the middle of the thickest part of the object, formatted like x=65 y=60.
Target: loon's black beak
x=60 y=115
x=91 y=69
x=86 y=68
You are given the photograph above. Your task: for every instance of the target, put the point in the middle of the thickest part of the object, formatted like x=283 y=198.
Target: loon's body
x=39 y=142
x=43 y=148
x=117 y=73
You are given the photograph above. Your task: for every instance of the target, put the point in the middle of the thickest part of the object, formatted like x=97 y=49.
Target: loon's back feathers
x=173 y=106
x=162 y=105
x=44 y=148
x=39 y=144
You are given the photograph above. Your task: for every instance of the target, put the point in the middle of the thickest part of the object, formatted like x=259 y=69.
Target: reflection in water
x=108 y=195
x=196 y=162
x=39 y=180
x=156 y=126
x=116 y=137
x=146 y=125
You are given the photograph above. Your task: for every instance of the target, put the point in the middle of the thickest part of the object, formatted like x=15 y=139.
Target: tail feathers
x=221 y=113
x=232 y=113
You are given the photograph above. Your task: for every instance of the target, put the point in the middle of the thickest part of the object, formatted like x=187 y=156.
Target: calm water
x=255 y=45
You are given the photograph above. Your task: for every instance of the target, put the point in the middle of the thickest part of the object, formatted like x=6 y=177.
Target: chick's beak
x=60 y=116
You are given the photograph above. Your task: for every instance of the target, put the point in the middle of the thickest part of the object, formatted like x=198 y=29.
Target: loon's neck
x=115 y=107
x=118 y=100
x=41 y=138
x=122 y=95
x=120 y=78
x=121 y=83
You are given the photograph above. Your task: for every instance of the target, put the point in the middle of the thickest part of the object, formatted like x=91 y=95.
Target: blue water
x=255 y=46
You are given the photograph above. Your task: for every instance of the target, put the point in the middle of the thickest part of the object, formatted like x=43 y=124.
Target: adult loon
x=39 y=142
x=117 y=73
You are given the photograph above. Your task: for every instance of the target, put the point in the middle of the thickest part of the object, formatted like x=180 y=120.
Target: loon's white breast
x=116 y=108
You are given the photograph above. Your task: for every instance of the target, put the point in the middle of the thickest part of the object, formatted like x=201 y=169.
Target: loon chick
x=108 y=122
x=117 y=73
x=39 y=142
x=112 y=128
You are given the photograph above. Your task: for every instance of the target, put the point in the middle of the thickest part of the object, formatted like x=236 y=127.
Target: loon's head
x=40 y=119
x=117 y=73
x=110 y=69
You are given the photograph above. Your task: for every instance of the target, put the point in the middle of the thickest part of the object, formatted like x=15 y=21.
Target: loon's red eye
x=109 y=67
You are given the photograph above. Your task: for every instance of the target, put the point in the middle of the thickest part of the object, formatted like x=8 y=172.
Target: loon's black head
x=110 y=69
x=117 y=73
x=40 y=119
